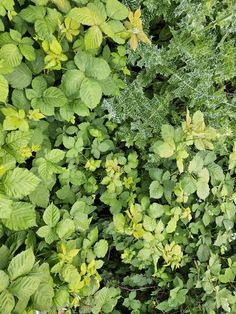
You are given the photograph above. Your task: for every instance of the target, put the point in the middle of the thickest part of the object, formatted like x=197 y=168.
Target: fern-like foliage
x=190 y=64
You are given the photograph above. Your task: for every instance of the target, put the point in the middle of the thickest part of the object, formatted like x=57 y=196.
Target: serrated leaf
x=203 y=253
x=195 y=165
x=71 y=82
x=51 y=215
x=40 y=196
x=90 y=92
x=101 y=248
x=3 y=89
x=55 y=155
x=83 y=60
x=83 y=15
x=172 y=224
x=26 y=217
x=116 y=10
x=165 y=150
x=33 y=13
x=21 y=77
x=27 y=51
x=7 y=302
x=167 y=132
x=93 y=38
x=48 y=234
x=4 y=280
x=42 y=298
x=24 y=287
x=5 y=254
x=11 y=54
x=203 y=190
x=54 y=97
x=21 y=264
x=80 y=108
x=149 y=223
x=98 y=69
x=65 y=228
x=119 y=222
x=5 y=206
x=156 y=190
x=105 y=300
x=20 y=182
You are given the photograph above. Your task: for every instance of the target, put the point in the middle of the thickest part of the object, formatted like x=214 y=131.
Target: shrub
x=110 y=200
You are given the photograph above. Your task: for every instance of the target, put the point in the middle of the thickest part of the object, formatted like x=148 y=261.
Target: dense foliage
x=117 y=173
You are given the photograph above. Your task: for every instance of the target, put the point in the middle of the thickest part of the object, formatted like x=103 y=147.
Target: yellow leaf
x=188 y=120
x=143 y=37
x=55 y=47
x=137 y=14
x=133 y=42
x=131 y=16
x=35 y=115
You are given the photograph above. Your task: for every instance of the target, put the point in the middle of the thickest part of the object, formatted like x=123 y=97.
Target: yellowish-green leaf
x=93 y=38
x=11 y=54
x=83 y=15
x=3 y=89
x=90 y=92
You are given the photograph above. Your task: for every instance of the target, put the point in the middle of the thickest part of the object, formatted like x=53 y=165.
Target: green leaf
x=119 y=222
x=71 y=82
x=26 y=217
x=116 y=10
x=203 y=253
x=61 y=298
x=149 y=223
x=42 y=298
x=5 y=206
x=156 y=210
x=93 y=38
x=11 y=54
x=203 y=189
x=83 y=60
x=156 y=190
x=7 y=302
x=21 y=77
x=20 y=182
x=80 y=108
x=24 y=287
x=172 y=224
x=101 y=248
x=55 y=155
x=5 y=254
x=33 y=13
x=90 y=92
x=167 y=132
x=54 y=97
x=48 y=234
x=40 y=196
x=228 y=276
x=83 y=15
x=21 y=264
x=65 y=228
x=164 y=149
x=98 y=69
x=4 y=280
x=105 y=300
x=51 y=215
x=27 y=51
x=4 y=90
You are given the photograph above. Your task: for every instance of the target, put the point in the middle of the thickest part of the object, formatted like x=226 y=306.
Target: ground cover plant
x=117 y=156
